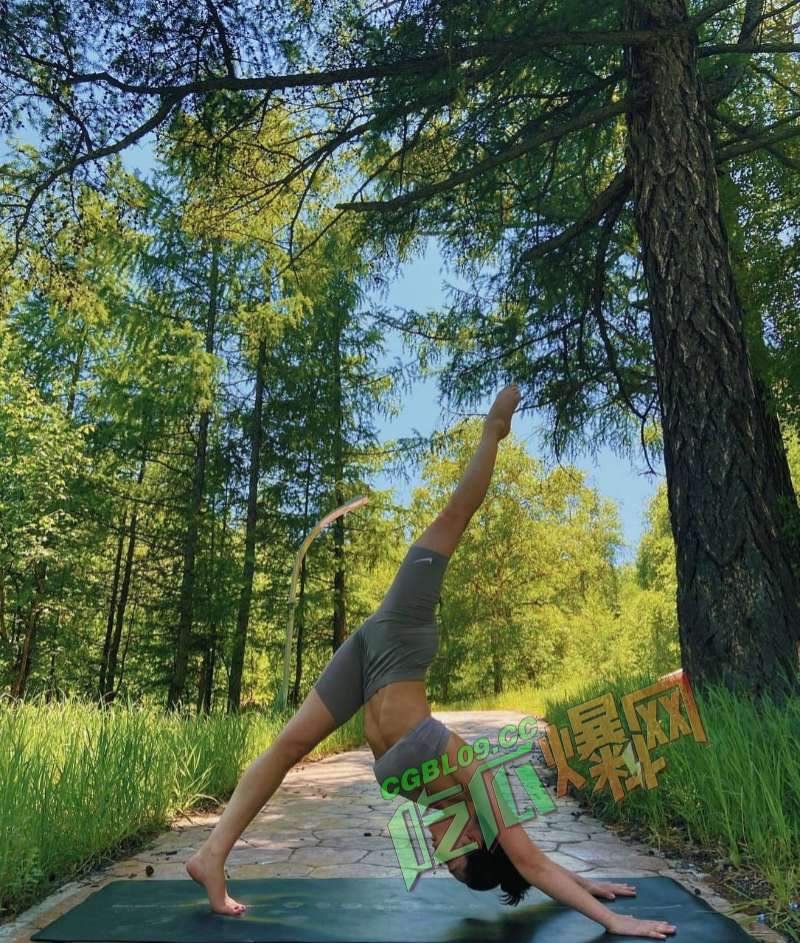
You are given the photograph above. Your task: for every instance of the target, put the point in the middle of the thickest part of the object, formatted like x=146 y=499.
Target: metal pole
x=316 y=529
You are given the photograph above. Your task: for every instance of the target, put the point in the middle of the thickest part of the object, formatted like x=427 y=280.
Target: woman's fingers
x=662 y=931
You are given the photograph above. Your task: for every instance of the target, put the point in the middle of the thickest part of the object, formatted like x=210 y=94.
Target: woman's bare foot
x=209 y=870
x=499 y=416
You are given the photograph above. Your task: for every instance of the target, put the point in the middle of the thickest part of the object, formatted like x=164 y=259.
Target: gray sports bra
x=423 y=742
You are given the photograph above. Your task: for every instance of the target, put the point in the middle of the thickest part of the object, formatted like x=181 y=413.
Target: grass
x=739 y=796
x=527 y=700
x=80 y=784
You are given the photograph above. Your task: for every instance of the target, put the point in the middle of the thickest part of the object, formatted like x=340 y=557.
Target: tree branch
x=745 y=130
x=598 y=290
x=710 y=11
x=723 y=49
x=754 y=144
x=227 y=52
x=511 y=153
x=719 y=89
x=616 y=191
x=155 y=119
x=447 y=58
x=777 y=11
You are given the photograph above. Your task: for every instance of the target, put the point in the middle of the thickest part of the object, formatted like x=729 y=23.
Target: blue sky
x=421 y=286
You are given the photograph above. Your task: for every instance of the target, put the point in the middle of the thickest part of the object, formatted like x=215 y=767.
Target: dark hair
x=486 y=869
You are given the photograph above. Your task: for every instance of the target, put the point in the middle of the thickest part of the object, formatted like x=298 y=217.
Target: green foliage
x=533 y=596
x=531 y=573
x=79 y=784
x=40 y=464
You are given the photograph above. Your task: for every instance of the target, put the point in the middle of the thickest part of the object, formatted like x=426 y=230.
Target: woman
x=383 y=666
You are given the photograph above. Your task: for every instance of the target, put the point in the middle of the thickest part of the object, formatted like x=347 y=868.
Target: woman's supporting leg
x=310 y=725
x=445 y=531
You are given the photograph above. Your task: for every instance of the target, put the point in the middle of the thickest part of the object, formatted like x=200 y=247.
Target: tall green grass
x=531 y=700
x=739 y=794
x=79 y=783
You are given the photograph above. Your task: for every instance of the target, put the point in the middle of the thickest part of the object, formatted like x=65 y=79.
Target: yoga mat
x=370 y=910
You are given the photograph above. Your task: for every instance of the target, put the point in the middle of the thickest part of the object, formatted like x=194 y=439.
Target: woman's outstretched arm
x=539 y=871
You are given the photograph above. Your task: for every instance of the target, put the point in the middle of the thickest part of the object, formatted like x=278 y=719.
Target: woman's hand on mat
x=623 y=925
x=499 y=416
x=608 y=890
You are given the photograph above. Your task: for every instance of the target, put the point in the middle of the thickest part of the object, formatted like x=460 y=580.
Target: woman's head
x=487 y=868
x=484 y=869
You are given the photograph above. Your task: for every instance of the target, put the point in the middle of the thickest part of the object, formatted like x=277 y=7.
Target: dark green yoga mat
x=370 y=910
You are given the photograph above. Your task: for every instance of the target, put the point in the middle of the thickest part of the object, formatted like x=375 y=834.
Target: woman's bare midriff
x=392 y=711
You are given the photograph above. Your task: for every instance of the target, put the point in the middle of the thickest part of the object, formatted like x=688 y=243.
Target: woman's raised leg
x=446 y=529
x=310 y=725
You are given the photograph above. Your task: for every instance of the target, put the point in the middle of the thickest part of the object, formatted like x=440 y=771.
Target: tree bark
x=3 y=629
x=124 y=593
x=497 y=662
x=77 y=367
x=243 y=618
x=112 y=605
x=186 y=603
x=51 y=680
x=301 y=611
x=730 y=493
x=26 y=655
x=131 y=619
x=339 y=598
x=206 y=685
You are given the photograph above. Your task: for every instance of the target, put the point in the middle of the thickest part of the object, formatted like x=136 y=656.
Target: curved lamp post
x=321 y=525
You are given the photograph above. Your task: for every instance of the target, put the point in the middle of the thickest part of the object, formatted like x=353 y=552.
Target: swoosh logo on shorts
x=424 y=560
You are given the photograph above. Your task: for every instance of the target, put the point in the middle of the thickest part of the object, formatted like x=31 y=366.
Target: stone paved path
x=328 y=820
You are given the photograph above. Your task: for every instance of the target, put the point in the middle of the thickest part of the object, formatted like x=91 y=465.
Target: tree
x=537 y=554
x=535 y=140
x=321 y=441
x=40 y=460
x=58 y=325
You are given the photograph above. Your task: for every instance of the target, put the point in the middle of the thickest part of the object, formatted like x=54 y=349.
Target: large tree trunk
x=243 y=618
x=186 y=603
x=727 y=473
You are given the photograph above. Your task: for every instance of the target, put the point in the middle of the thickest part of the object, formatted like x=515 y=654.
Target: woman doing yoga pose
x=382 y=666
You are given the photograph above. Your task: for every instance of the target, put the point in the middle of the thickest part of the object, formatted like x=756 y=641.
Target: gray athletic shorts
x=396 y=643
